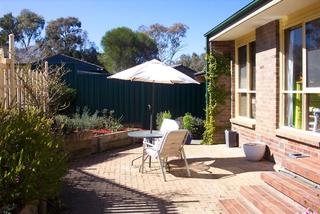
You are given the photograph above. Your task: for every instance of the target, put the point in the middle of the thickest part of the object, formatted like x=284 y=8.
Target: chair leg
x=149 y=161
x=143 y=156
x=162 y=169
x=185 y=161
x=166 y=164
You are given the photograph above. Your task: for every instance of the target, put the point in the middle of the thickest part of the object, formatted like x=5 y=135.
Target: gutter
x=251 y=7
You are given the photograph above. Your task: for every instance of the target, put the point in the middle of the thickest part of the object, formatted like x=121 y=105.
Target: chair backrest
x=168 y=125
x=173 y=142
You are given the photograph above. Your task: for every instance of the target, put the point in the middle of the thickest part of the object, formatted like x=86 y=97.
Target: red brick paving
x=107 y=183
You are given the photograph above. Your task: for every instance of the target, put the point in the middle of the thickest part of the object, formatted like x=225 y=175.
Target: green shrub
x=32 y=163
x=110 y=121
x=64 y=123
x=86 y=121
x=64 y=101
x=161 y=116
x=187 y=121
x=197 y=128
x=194 y=125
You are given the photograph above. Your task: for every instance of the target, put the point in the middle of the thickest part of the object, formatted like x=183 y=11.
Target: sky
x=100 y=16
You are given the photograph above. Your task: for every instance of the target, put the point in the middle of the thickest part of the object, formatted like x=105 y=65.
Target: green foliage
x=59 y=97
x=26 y=27
x=62 y=97
x=64 y=123
x=124 y=48
x=161 y=116
x=30 y=26
x=168 y=39
x=187 y=121
x=87 y=53
x=194 y=125
x=110 y=121
x=84 y=120
x=218 y=65
x=197 y=128
x=63 y=35
x=79 y=121
x=194 y=61
x=32 y=163
x=8 y=25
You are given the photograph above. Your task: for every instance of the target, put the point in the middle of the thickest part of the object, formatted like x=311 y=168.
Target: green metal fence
x=130 y=99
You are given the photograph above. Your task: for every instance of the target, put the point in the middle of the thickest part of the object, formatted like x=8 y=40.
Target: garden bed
x=84 y=143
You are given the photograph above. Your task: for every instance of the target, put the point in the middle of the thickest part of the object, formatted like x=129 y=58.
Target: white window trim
x=285 y=24
x=243 y=42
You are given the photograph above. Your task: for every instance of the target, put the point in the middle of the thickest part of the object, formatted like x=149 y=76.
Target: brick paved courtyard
x=107 y=183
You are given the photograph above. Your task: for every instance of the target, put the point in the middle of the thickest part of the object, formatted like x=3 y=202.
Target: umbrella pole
x=152 y=107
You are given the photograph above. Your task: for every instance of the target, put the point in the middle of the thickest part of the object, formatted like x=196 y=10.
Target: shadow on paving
x=105 y=156
x=86 y=193
x=210 y=168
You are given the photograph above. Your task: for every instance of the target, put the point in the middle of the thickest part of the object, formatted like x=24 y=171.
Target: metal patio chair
x=171 y=145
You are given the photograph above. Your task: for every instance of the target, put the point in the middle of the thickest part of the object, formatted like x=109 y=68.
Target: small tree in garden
x=194 y=125
x=52 y=94
x=187 y=121
x=218 y=65
x=32 y=163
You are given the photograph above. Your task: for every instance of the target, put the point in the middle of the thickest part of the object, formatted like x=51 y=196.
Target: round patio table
x=145 y=134
x=149 y=136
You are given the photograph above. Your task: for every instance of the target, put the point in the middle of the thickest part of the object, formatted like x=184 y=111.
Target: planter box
x=113 y=140
x=84 y=143
x=79 y=144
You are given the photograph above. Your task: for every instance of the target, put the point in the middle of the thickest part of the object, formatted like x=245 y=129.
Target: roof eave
x=251 y=7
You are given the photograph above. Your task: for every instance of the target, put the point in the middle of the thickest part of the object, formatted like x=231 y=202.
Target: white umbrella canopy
x=154 y=71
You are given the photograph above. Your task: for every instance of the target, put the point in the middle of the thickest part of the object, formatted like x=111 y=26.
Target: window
x=301 y=90
x=313 y=53
x=246 y=81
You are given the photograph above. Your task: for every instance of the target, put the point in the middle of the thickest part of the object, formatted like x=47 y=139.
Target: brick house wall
x=222 y=119
x=267 y=97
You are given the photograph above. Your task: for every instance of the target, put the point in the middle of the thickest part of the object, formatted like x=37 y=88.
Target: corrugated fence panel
x=130 y=99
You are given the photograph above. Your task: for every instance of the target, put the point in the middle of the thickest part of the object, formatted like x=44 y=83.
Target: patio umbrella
x=154 y=71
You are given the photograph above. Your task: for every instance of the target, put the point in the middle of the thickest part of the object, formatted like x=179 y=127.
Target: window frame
x=301 y=18
x=244 y=41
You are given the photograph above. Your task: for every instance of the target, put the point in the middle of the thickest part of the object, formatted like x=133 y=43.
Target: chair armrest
x=148 y=144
